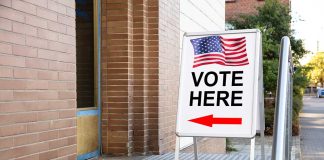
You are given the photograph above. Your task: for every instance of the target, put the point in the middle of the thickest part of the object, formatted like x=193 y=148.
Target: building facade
x=235 y=8
x=81 y=77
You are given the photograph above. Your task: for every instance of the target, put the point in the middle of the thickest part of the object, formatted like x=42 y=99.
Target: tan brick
x=36 y=42
x=67 y=76
x=12 y=130
x=67 y=39
x=38 y=127
x=47 y=54
x=6 y=142
x=25 y=139
x=45 y=13
x=68 y=3
x=6 y=72
x=30 y=149
x=12 y=61
x=70 y=12
x=31 y=157
x=47 y=75
x=67 y=150
x=6 y=95
x=38 y=85
x=6 y=154
x=25 y=73
x=60 y=104
x=70 y=31
x=62 y=142
x=49 y=155
x=36 y=21
x=61 y=47
x=67 y=94
x=11 y=14
x=24 y=7
x=50 y=135
x=5 y=48
x=57 y=7
x=66 y=57
x=42 y=3
x=67 y=132
x=66 y=20
x=37 y=63
x=5 y=24
x=17 y=118
x=67 y=113
x=47 y=34
x=10 y=37
x=54 y=26
x=6 y=3
x=47 y=115
x=63 y=123
x=25 y=95
x=24 y=51
x=61 y=66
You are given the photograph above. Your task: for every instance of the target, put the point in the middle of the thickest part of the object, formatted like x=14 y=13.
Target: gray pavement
x=312 y=129
x=241 y=145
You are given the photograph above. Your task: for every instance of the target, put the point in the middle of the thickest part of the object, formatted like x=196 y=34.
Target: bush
x=274 y=20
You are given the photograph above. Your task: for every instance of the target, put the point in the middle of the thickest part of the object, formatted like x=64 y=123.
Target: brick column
x=140 y=59
x=117 y=77
x=140 y=51
x=169 y=66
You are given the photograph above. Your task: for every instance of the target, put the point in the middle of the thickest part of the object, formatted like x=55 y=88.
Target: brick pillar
x=140 y=59
x=169 y=51
x=140 y=42
x=152 y=87
x=117 y=77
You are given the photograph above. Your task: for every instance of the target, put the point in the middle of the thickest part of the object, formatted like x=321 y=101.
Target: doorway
x=88 y=78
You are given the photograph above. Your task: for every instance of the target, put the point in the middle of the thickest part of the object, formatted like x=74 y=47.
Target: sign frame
x=257 y=68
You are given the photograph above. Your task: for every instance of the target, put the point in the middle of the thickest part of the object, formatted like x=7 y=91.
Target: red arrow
x=209 y=120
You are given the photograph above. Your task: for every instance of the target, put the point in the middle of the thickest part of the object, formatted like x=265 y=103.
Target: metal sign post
x=221 y=86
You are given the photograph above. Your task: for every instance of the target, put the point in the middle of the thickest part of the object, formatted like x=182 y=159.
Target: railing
x=281 y=148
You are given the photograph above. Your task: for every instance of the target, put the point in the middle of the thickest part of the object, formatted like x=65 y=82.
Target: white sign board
x=219 y=84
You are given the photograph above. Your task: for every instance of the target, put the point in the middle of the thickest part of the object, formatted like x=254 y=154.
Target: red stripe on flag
x=233 y=53
x=209 y=55
x=233 y=44
x=232 y=39
x=235 y=49
x=238 y=57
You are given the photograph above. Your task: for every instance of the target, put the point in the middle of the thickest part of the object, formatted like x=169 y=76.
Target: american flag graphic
x=220 y=50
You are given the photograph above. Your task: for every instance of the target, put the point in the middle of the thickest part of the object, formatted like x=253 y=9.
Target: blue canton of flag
x=207 y=45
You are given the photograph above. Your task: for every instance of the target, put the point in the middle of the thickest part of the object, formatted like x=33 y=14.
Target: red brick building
x=81 y=76
x=238 y=7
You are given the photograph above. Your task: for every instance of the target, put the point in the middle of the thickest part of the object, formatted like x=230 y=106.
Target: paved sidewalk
x=242 y=153
x=312 y=129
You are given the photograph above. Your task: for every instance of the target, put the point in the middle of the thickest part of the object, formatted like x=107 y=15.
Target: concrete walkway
x=312 y=129
x=241 y=145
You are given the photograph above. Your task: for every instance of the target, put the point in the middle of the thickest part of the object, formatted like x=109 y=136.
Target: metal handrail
x=281 y=148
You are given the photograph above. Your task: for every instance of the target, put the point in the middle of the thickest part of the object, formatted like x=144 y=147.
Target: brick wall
x=37 y=79
x=169 y=66
x=117 y=76
x=238 y=7
x=136 y=74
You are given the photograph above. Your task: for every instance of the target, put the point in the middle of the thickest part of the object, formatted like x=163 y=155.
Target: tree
x=273 y=19
x=316 y=74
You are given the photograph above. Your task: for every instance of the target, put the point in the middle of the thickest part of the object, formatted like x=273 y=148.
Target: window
x=85 y=54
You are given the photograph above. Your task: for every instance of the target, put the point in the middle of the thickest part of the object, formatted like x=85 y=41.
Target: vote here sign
x=219 y=84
